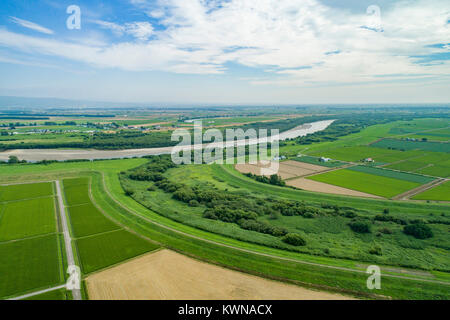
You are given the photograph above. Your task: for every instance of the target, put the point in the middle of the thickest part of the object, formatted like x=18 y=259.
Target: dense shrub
x=294 y=239
x=419 y=231
x=360 y=227
x=376 y=250
x=386 y=231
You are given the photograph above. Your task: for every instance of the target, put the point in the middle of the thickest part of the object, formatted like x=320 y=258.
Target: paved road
x=67 y=239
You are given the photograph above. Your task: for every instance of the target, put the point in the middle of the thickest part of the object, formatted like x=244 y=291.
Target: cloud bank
x=293 y=42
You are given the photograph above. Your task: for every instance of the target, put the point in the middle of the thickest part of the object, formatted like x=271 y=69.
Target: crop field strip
x=406 y=145
x=100 y=242
x=438 y=193
x=393 y=174
x=382 y=186
x=30 y=247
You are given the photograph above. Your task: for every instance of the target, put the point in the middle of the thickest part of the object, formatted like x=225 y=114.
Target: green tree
x=13 y=160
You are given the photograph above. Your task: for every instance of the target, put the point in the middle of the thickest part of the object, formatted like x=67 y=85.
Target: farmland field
x=315 y=161
x=30 y=248
x=29 y=265
x=143 y=278
x=226 y=178
x=87 y=220
x=393 y=174
x=27 y=218
x=103 y=250
x=405 y=145
x=286 y=169
x=25 y=191
x=100 y=242
x=439 y=193
x=364 y=182
x=76 y=191
x=358 y=153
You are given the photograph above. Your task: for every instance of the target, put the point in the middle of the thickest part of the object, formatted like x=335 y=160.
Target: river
x=34 y=155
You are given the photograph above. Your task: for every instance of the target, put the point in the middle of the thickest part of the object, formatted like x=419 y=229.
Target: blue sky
x=228 y=51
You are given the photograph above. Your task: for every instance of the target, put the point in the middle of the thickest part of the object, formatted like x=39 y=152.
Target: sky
x=227 y=51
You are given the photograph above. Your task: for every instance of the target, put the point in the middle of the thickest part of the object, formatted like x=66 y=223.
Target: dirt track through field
x=311 y=185
x=167 y=275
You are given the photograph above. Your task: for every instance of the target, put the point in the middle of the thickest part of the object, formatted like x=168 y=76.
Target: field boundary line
x=411 y=193
x=123 y=227
x=22 y=183
x=67 y=239
x=29 y=238
x=27 y=199
x=99 y=234
x=36 y=293
x=256 y=252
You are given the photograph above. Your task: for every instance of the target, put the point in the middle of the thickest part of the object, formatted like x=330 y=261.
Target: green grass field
x=104 y=250
x=430 y=163
x=29 y=265
x=405 y=145
x=439 y=193
x=393 y=174
x=76 y=191
x=25 y=191
x=377 y=185
x=100 y=242
x=315 y=160
x=27 y=218
x=87 y=220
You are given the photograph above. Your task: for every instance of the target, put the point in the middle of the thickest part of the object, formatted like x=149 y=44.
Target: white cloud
x=140 y=30
x=31 y=25
x=290 y=39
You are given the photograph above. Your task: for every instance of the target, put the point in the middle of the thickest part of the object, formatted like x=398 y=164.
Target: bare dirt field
x=167 y=275
x=287 y=169
x=310 y=185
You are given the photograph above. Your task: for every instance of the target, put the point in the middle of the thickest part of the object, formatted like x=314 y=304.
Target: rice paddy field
x=31 y=256
x=107 y=249
x=439 y=193
x=405 y=145
x=382 y=186
x=100 y=241
x=29 y=265
x=25 y=191
x=27 y=218
x=393 y=174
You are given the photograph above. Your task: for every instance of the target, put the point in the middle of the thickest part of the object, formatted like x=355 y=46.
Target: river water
x=34 y=155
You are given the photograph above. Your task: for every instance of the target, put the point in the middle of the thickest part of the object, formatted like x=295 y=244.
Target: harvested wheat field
x=304 y=165
x=167 y=275
x=310 y=185
x=287 y=169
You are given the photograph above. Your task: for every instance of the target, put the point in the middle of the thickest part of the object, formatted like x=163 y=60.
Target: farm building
x=322 y=159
